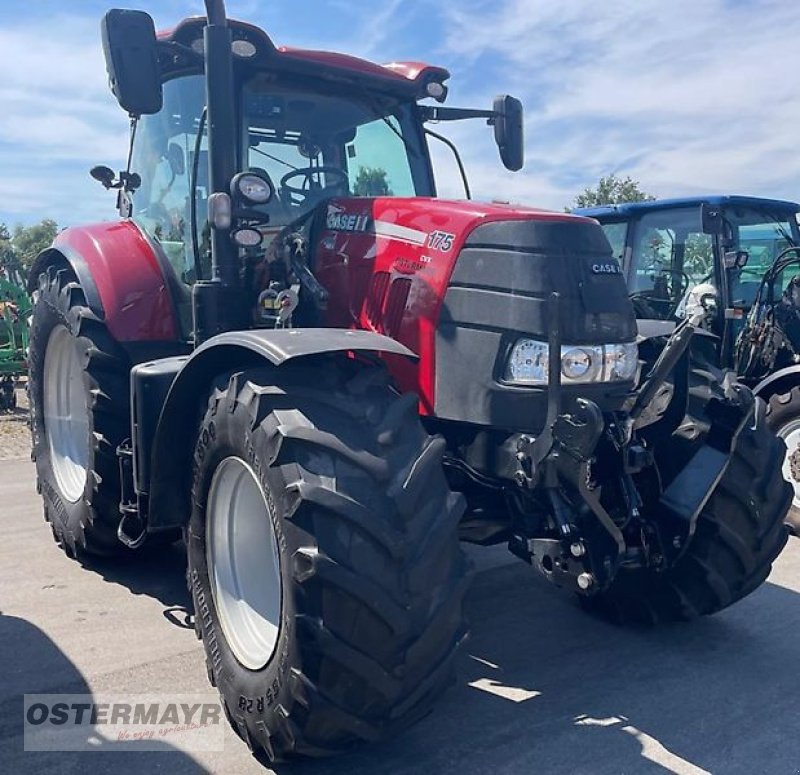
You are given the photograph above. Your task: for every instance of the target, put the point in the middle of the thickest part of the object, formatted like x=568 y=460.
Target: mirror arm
x=174 y=49
x=435 y=113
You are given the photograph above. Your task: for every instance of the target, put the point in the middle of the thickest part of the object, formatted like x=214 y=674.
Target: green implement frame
x=15 y=310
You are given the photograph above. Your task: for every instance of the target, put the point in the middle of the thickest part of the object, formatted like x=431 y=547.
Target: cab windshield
x=315 y=145
x=764 y=236
x=672 y=258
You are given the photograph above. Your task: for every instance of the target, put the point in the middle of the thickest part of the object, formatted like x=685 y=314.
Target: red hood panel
x=387 y=262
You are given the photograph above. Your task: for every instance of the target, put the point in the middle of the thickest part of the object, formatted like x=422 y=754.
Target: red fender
x=128 y=279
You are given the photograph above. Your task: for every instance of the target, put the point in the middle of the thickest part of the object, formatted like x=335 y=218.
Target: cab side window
x=616 y=233
x=163 y=156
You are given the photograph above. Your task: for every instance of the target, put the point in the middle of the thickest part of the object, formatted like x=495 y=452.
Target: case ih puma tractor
x=291 y=350
x=739 y=258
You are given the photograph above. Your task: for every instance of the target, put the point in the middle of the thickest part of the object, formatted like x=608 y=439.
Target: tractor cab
x=309 y=139
x=678 y=254
x=311 y=125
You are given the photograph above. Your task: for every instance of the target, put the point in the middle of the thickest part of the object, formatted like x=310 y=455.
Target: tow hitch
x=562 y=455
x=560 y=463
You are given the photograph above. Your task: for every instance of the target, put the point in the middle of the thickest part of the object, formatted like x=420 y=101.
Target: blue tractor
x=734 y=262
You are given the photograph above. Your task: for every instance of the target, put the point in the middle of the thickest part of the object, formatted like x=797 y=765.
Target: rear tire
x=79 y=415
x=364 y=529
x=738 y=534
x=783 y=417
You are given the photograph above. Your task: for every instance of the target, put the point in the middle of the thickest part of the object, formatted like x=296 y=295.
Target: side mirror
x=508 y=131
x=736 y=259
x=131 y=52
x=711 y=218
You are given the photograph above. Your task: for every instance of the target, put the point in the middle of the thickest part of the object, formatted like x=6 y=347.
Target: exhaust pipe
x=215 y=12
x=221 y=132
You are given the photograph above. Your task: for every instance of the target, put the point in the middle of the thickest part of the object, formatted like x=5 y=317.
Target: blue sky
x=684 y=96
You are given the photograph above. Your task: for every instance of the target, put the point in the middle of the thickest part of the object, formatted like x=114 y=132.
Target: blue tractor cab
x=666 y=253
x=736 y=258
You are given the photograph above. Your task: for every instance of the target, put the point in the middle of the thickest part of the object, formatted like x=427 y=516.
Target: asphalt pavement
x=542 y=687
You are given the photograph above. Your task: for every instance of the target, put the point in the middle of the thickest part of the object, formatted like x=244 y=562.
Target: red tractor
x=289 y=350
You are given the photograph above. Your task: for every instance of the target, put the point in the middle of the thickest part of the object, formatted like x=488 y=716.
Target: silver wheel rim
x=66 y=414
x=243 y=562
x=790 y=433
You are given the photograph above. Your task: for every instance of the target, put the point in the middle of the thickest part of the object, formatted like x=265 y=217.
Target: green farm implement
x=15 y=309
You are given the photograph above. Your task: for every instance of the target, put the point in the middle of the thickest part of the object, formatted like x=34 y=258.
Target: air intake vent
x=373 y=304
x=395 y=306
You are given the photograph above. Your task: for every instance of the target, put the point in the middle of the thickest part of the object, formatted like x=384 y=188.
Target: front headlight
x=580 y=365
x=621 y=361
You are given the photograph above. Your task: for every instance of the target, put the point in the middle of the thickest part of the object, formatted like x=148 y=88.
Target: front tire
x=324 y=561
x=783 y=417
x=79 y=415
x=739 y=532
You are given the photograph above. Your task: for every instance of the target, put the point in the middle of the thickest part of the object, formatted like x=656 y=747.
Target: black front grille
x=508 y=269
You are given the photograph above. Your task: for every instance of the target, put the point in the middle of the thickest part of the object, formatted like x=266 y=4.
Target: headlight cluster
x=529 y=363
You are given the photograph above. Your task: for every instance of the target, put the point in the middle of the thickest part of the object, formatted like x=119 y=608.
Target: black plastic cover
x=499 y=292
x=509 y=261
x=150 y=384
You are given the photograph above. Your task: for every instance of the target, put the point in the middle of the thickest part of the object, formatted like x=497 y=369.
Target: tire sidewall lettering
x=248 y=693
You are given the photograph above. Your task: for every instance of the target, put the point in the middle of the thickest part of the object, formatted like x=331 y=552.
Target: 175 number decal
x=441 y=240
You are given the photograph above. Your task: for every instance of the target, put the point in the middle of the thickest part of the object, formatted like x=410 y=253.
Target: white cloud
x=58 y=120
x=684 y=96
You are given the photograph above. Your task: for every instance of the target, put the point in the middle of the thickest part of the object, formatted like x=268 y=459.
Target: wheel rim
x=66 y=414
x=243 y=562
x=790 y=433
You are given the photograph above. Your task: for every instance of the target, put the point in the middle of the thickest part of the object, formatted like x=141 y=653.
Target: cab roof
x=181 y=52
x=633 y=209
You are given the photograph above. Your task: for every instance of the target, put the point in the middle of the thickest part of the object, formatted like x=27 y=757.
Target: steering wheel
x=651 y=303
x=310 y=186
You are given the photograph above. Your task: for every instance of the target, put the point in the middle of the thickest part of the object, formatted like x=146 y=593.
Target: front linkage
x=611 y=506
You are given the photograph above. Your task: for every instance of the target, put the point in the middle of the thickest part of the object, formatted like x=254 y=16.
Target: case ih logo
x=340 y=220
x=610 y=268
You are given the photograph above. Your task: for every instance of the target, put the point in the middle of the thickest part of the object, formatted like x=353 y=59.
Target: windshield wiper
x=274 y=158
x=785 y=234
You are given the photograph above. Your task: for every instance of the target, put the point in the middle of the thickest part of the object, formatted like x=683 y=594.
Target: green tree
x=612 y=190
x=29 y=241
x=698 y=261
x=371 y=181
